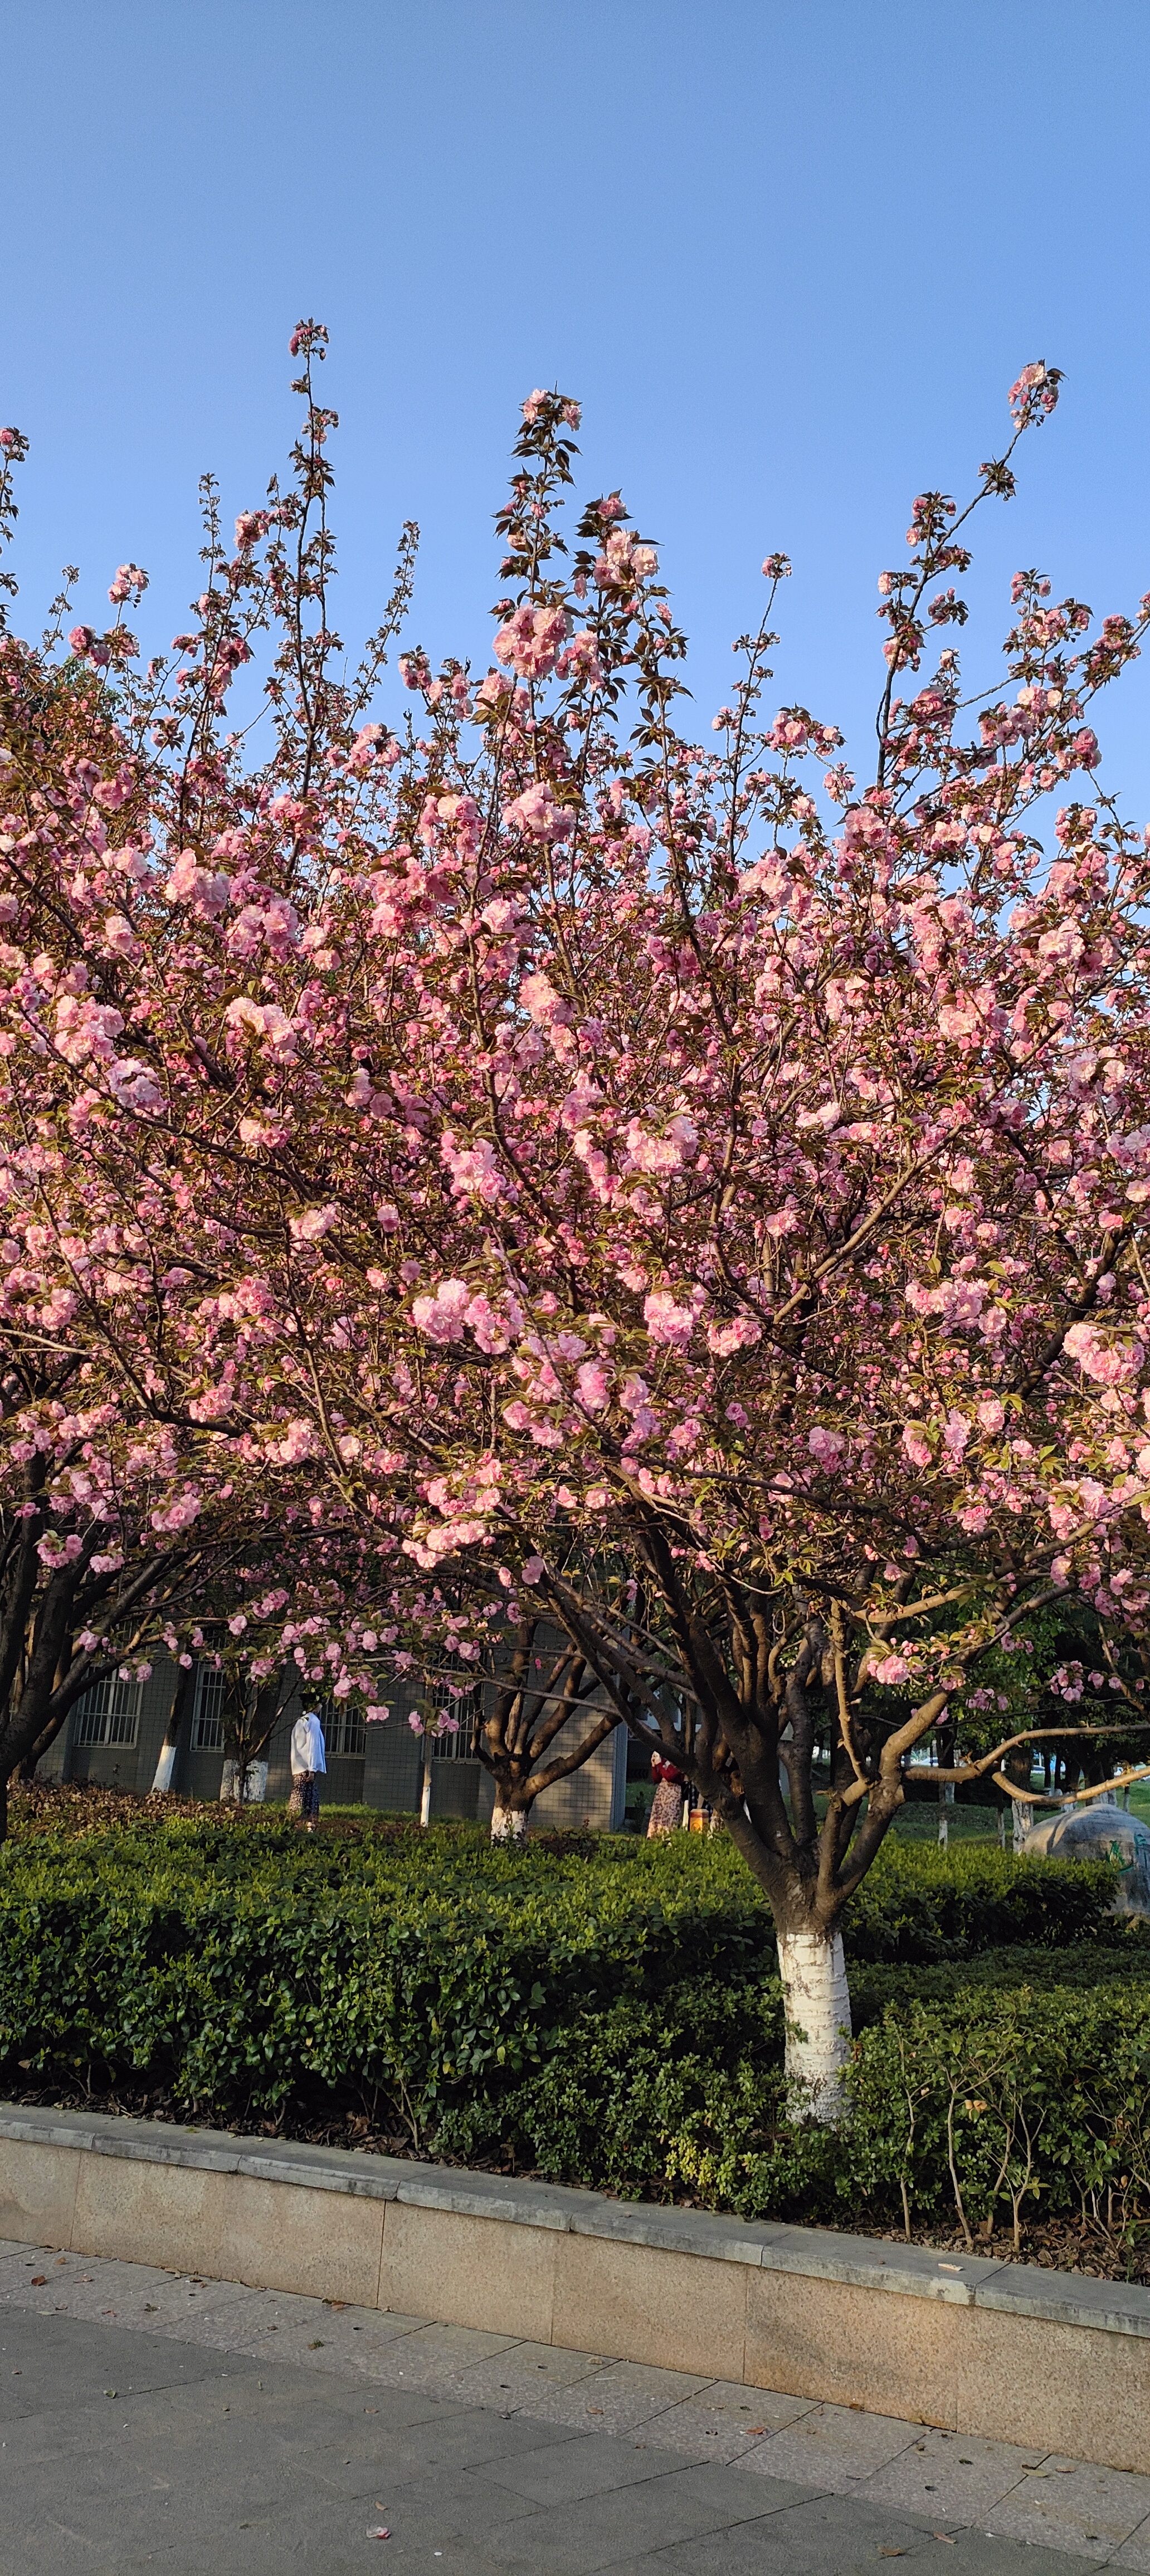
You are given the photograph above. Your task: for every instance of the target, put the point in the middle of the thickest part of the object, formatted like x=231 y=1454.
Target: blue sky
x=789 y=254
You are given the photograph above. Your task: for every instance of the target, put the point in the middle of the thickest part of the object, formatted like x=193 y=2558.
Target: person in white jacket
x=308 y=1765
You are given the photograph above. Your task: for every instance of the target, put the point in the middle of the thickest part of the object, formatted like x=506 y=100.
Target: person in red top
x=667 y=1805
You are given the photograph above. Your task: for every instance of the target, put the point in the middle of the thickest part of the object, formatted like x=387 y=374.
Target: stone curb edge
x=961 y=2280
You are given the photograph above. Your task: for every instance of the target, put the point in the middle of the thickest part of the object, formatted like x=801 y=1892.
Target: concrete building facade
x=114 y=1737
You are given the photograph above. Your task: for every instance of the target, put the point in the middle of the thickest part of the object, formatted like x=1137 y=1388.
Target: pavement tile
x=558 y=2474
x=1134 y=2552
x=435 y=2350
x=15 y=2258
x=495 y=2383
x=448 y=2503
x=70 y=2363
x=289 y=2329
x=642 y=2379
x=832 y=2447
x=727 y=2415
x=132 y=2294
x=812 y=2540
x=616 y=2399
x=441 y=2437
x=615 y=2525
x=552 y=2364
x=1069 y=2505
x=957 y=2477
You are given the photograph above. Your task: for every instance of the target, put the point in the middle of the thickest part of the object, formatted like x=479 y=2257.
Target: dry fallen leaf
x=38 y=2280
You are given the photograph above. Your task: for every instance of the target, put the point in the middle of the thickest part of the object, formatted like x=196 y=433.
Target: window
x=343 y=1729
x=110 y=1713
x=208 y=1711
x=466 y=1706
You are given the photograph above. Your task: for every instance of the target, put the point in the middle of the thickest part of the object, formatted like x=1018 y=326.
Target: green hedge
x=611 y=2018
x=1036 y=2094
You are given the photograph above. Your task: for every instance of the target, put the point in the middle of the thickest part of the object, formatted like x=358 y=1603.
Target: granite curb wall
x=1003 y=2350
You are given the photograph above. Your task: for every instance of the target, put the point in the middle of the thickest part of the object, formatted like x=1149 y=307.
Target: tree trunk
x=425 y=1792
x=508 y=1824
x=818 y=2019
x=165 y=1767
x=169 y=1749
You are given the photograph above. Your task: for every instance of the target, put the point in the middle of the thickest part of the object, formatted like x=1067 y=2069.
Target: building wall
x=592 y=1800
x=120 y=1766
x=386 y=1776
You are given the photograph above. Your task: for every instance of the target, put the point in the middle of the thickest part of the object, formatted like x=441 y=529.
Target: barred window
x=208 y=1710
x=343 y=1728
x=465 y=1706
x=109 y=1713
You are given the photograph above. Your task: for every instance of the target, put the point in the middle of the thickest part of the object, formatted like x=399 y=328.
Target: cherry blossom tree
x=665 y=1189
x=126 y=1509
x=752 y=1198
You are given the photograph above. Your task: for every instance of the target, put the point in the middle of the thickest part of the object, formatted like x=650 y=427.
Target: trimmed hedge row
x=1025 y=2104
x=612 y=2019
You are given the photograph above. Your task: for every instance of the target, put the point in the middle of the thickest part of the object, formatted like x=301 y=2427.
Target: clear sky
x=789 y=254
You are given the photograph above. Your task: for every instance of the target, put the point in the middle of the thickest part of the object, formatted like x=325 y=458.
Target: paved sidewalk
x=155 y=2421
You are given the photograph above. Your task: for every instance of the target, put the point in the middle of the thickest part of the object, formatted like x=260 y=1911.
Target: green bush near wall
x=609 y=2017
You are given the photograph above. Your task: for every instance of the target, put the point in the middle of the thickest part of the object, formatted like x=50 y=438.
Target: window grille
x=466 y=1706
x=208 y=1711
x=109 y=1713
x=344 y=1732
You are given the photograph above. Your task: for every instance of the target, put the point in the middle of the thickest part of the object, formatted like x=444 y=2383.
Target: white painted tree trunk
x=165 y=1768
x=255 y=1783
x=818 y=2016
x=508 y=1824
x=425 y=1793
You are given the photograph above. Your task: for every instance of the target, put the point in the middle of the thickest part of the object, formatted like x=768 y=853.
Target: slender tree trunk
x=169 y=1749
x=425 y=1791
x=165 y=1767
x=818 y=2019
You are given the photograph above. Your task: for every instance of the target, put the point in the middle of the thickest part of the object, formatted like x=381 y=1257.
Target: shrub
x=611 y=2019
